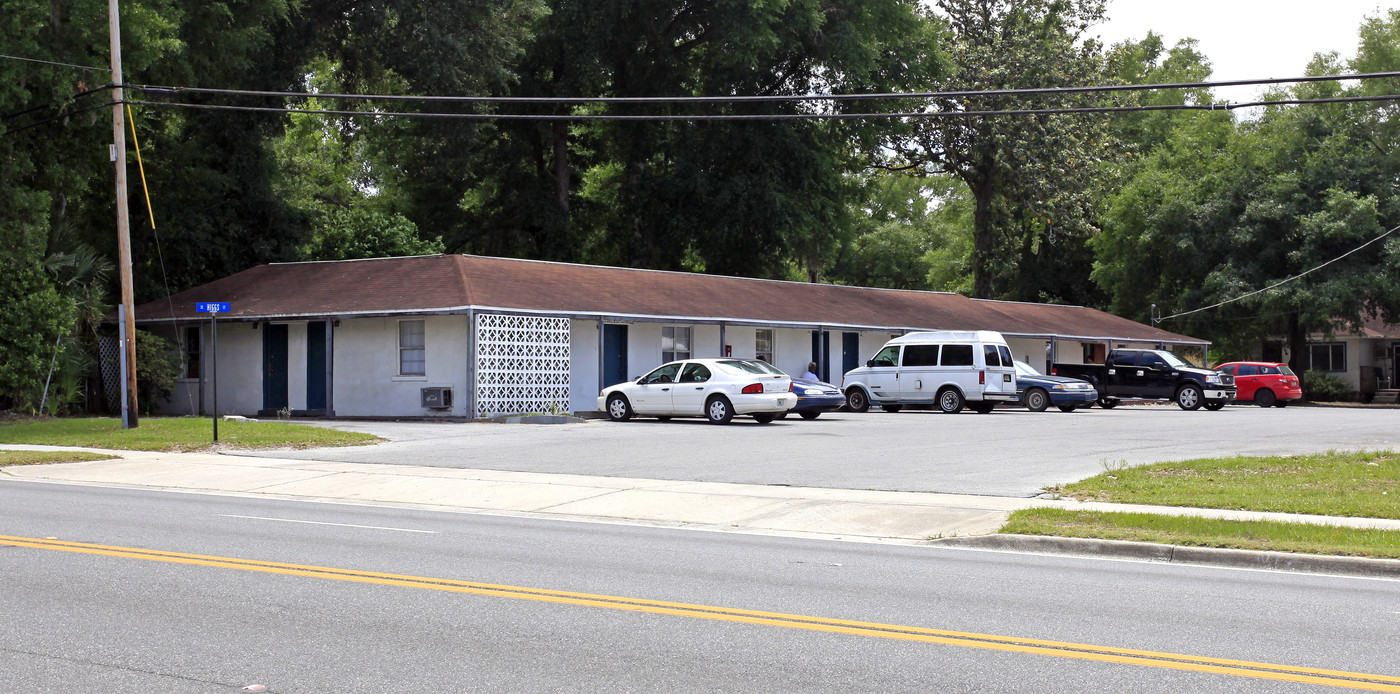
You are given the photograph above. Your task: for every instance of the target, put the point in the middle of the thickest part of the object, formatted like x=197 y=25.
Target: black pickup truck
x=1153 y=374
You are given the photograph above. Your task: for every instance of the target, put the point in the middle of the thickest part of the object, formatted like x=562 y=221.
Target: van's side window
x=921 y=355
x=990 y=356
x=957 y=355
x=888 y=356
x=1005 y=353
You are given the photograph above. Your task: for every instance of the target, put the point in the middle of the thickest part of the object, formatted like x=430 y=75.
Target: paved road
x=120 y=621
x=1006 y=453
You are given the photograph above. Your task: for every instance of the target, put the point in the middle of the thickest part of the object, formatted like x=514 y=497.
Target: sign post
x=213 y=308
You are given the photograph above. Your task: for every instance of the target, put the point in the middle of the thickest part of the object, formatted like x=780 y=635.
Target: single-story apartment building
x=471 y=336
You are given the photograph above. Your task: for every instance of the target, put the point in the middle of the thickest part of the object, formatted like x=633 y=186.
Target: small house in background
x=1366 y=361
x=468 y=336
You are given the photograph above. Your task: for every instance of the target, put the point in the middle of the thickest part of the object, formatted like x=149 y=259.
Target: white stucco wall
x=296 y=366
x=239 y=355
x=583 y=365
x=367 y=361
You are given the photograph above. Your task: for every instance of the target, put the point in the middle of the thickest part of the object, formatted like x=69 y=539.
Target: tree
x=752 y=198
x=1221 y=210
x=1032 y=178
x=911 y=232
x=355 y=233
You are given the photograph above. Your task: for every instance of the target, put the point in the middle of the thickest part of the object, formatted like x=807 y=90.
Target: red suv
x=1267 y=383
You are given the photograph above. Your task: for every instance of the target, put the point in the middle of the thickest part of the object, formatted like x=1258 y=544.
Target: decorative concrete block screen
x=522 y=364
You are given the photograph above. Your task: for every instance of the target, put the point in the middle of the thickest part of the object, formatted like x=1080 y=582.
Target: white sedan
x=716 y=389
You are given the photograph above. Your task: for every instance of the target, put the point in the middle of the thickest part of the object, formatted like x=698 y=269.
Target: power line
x=1278 y=283
x=50 y=62
x=774 y=116
x=172 y=90
x=50 y=105
x=64 y=116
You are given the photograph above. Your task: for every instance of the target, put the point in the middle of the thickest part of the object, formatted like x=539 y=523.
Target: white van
x=949 y=369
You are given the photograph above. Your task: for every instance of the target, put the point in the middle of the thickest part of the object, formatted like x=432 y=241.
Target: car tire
x=619 y=410
x=1037 y=399
x=950 y=401
x=1265 y=397
x=891 y=408
x=1067 y=408
x=764 y=417
x=1108 y=403
x=857 y=400
x=719 y=410
x=1189 y=397
x=809 y=415
x=984 y=407
x=1215 y=405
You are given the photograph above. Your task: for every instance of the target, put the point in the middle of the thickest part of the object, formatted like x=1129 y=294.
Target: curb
x=536 y=419
x=1173 y=554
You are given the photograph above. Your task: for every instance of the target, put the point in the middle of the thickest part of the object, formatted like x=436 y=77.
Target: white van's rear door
x=1000 y=378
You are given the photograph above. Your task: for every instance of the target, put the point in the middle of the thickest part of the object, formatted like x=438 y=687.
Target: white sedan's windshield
x=1024 y=369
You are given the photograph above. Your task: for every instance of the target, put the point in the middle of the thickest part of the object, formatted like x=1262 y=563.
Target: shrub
x=1324 y=387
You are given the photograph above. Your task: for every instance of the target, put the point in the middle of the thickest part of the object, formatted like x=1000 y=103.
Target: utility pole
x=123 y=219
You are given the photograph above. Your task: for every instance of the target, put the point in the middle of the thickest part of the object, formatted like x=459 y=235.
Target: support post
x=602 y=356
x=129 y=419
x=214 y=363
x=330 y=368
x=471 y=363
x=122 y=348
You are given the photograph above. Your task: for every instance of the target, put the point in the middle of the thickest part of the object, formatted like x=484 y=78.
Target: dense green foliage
x=1122 y=211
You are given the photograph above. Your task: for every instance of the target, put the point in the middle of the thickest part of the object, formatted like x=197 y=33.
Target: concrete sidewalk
x=873 y=516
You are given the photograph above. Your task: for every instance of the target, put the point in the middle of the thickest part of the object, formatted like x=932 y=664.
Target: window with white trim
x=189 y=353
x=412 y=348
x=1328 y=356
x=763 y=344
x=675 y=343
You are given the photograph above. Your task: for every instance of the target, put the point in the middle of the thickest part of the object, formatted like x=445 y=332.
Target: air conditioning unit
x=437 y=398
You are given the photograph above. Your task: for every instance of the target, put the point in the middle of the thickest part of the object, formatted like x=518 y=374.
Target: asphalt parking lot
x=1010 y=452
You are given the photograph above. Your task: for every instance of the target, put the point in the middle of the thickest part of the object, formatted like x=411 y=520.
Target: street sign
x=211 y=307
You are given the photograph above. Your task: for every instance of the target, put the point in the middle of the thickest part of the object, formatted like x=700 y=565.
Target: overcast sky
x=1246 y=39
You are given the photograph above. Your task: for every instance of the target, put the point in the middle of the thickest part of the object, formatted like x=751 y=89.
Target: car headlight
x=1059 y=386
x=1213 y=378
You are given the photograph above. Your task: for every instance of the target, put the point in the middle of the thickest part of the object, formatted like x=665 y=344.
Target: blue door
x=614 y=354
x=316 y=365
x=821 y=353
x=274 y=366
x=850 y=353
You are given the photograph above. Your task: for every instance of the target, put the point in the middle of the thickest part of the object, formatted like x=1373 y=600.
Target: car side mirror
x=870 y=364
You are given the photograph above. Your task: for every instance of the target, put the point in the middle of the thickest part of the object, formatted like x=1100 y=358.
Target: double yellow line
x=1124 y=656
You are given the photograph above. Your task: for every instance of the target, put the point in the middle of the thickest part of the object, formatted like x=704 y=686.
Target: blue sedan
x=1037 y=391
x=815 y=397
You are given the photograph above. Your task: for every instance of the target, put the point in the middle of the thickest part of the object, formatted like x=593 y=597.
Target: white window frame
x=758 y=339
x=422 y=349
x=668 y=339
x=191 y=353
x=1331 y=357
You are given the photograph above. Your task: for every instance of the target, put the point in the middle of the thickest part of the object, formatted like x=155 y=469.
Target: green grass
x=45 y=457
x=1207 y=532
x=175 y=434
x=1365 y=484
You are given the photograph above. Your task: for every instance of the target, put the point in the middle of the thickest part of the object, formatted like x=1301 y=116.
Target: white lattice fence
x=522 y=364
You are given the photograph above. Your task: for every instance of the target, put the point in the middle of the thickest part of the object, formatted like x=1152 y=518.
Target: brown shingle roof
x=453 y=283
